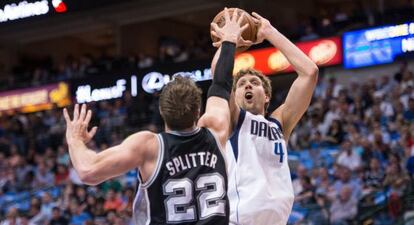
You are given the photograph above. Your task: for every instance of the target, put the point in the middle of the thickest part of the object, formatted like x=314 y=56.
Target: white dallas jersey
x=260 y=187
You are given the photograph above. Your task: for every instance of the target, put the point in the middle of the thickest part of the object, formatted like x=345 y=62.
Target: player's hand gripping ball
x=250 y=34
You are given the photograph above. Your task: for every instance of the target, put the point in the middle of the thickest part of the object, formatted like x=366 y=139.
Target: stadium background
x=358 y=131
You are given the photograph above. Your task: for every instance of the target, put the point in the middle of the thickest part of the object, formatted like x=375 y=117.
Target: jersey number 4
x=279 y=151
x=180 y=194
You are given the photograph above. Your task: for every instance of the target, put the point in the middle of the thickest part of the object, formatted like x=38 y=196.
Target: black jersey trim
x=159 y=162
x=274 y=120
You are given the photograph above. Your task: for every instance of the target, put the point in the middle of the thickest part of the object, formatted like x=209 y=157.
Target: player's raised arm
x=301 y=91
x=217 y=115
x=94 y=168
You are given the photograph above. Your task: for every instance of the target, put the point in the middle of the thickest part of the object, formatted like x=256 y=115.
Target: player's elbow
x=89 y=177
x=313 y=71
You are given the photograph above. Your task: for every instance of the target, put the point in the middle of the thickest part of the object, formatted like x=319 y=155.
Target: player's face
x=250 y=94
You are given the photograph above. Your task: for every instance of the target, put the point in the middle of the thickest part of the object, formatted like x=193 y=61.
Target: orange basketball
x=249 y=34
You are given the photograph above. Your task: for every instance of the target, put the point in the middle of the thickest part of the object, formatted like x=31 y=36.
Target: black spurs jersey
x=189 y=185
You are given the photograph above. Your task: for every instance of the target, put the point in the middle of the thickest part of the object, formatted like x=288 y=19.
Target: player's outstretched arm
x=301 y=91
x=217 y=115
x=94 y=168
x=234 y=109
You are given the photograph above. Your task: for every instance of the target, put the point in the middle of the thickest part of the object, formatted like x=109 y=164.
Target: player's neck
x=254 y=112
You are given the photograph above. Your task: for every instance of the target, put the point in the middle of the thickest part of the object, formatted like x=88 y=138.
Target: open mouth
x=248 y=95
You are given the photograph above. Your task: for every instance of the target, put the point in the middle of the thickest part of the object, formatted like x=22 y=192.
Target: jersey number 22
x=180 y=195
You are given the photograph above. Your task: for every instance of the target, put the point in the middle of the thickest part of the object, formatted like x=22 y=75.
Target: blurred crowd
x=368 y=129
x=32 y=72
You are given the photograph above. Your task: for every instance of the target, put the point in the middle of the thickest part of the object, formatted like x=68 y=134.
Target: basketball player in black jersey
x=182 y=171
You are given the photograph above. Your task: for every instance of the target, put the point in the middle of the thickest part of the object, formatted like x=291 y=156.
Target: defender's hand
x=231 y=31
x=77 y=129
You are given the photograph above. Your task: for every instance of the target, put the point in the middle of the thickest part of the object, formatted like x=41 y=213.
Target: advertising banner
x=148 y=81
x=35 y=99
x=376 y=46
x=324 y=52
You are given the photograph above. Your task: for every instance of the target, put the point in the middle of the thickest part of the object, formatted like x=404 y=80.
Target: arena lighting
x=155 y=81
x=25 y=9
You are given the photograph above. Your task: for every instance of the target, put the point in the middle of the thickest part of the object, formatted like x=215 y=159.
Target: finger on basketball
x=215 y=34
x=240 y=20
x=234 y=17
x=215 y=27
x=243 y=28
x=255 y=20
x=257 y=15
x=226 y=14
x=245 y=42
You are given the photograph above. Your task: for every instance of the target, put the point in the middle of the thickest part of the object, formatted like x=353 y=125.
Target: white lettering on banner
x=389 y=32
x=407 y=44
x=134 y=89
x=155 y=81
x=85 y=93
x=23 y=10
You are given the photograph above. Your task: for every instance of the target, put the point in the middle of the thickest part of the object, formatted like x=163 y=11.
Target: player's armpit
x=133 y=152
x=217 y=118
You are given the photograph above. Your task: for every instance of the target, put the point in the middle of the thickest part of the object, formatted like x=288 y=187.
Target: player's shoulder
x=143 y=138
x=143 y=135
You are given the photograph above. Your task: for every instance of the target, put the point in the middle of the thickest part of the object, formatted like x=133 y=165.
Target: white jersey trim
x=159 y=162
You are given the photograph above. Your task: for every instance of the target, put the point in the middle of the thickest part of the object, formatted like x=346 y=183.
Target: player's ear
x=267 y=99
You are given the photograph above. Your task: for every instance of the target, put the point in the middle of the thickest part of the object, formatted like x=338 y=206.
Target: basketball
x=249 y=34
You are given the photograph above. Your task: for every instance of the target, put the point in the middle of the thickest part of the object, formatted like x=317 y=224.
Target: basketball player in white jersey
x=260 y=187
x=182 y=170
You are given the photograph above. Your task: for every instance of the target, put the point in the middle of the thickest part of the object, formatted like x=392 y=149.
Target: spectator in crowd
x=373 y=176
x=78 y=214
x=11 y=217
x=57 y=218
x=112 y=202
x=43 y=176
x=301 y=172
x=47 y=205
x=409 y=113
x=345 y=179
x=36 y=215
x=348 y=157
x=344 y=208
